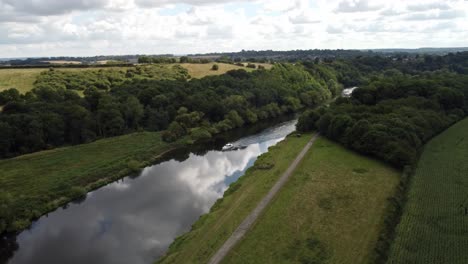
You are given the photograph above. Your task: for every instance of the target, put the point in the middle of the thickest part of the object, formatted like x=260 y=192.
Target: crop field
x=330 y=211
x=434 y=225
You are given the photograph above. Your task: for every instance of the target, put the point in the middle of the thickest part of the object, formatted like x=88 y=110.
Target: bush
x=200 y=133
x=215 y=67
x=134 y=166
x=77 y=192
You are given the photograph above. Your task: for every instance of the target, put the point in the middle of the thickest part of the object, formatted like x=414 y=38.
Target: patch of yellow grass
x=21 y=79
x=200 y=70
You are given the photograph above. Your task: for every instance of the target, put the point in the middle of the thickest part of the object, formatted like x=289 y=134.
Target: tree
x=53 y=128
x=78 y=124
x=155 y=120
x=110 y=121
x=133 y=112
x=173 y=132
x=184 y=59
x=308 y=121
x=145 y=59
x=215 y=67
x=9 y=96
x=234 y=118
x=6 y=140
x=200 y=133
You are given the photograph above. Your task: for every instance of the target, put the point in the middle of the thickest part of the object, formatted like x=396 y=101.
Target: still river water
x=135 y=219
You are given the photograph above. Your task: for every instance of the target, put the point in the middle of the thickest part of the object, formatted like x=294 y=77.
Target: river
x=134 y=220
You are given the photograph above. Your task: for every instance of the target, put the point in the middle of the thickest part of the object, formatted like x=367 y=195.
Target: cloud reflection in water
x=135 y=220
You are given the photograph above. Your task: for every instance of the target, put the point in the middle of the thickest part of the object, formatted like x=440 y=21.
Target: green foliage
x=200 y=133
x=215 y=67
x=134 y=166
x=235 y=119
x=174 y=132
x=392 y=117
x=308 y=120
x=77 y=192
x=263 y=164
x=10 y=95
x=156 y=59
x=105 y=79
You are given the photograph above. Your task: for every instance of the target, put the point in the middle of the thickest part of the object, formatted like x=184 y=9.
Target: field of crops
x=434 y=225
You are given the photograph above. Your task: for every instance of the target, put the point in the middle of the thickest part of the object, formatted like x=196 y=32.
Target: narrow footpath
x=252 y=217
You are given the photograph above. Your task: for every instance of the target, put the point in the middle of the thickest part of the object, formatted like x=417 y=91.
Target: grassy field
x=434 y=225
x=42 y=181
x=23 y=79
x=332 y=209
x=212 y=229
x=197 y=70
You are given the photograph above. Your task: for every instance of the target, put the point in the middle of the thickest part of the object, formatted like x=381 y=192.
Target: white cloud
x=445 y=14
x=92 y=27
x=429 y=6
x=350 y=6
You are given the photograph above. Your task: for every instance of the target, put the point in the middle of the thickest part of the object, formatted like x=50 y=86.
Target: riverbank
x=212 y=229
x=35 y=184
x=332 y=208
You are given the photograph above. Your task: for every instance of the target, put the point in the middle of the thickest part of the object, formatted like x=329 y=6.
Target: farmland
x=434 y=225
x=331 y=209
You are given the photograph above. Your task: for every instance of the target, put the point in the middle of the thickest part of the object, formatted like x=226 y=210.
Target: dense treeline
x=362 y=69
x=394 y=114
x=116 y=102
x=104 y=79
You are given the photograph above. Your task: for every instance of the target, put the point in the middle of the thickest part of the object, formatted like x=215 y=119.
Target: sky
x=32 y=28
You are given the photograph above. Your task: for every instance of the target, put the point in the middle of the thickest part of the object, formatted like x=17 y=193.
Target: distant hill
x=243 y=55
x=438 y=51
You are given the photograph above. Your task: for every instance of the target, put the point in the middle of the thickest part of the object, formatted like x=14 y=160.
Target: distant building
x=348 y=91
